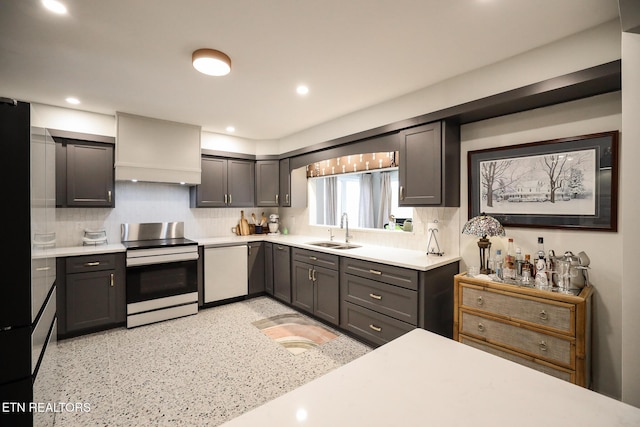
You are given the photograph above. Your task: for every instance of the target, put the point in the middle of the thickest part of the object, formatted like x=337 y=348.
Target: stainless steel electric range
x=162 y=272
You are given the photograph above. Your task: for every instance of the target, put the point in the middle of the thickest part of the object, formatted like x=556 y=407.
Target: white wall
x=630 y=215
x=591 y=115
x=73 y=120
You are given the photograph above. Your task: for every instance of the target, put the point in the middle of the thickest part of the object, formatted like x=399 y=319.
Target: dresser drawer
x=563 y=374
x=397 y=276
x=558 y=316
x=554 y=349
x=370 y=325
x=84 y=263
x=399 y=303
x=316 y=258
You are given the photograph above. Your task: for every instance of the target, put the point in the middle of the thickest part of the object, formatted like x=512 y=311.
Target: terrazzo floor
x=199 y=370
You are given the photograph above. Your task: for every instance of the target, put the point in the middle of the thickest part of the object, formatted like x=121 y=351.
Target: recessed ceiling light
x=302 y=90
x=211 y=62
x=231 y=129
x=72 y=100
x=55 y=6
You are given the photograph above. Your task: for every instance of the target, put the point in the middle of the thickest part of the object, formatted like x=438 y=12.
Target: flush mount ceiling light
x=72 y=100
x=211 y=62
x=55 y=6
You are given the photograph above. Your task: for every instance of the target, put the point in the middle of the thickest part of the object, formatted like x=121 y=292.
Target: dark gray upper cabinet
x=285 y=183
x=224 y=183
x=84 y=174
x=267 y=183
x=429 y=167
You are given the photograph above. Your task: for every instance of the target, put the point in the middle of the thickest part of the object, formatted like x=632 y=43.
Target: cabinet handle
x=109 y=195
x=379 y=273
x=286 y=198
x=375 y=328
x=313 y=274
x=312 y=258
x=277 y=199
x=480 y=327
x=249 y=246
x=542 y=346
x=280 y=248
x=402 y=192
x=543 y=315
x=225 y=199
x=230 y=199
x=91 y=264
x=43 y=268
x=112 y=280
x=310 y=279
x=479 y=300
x=374 y=296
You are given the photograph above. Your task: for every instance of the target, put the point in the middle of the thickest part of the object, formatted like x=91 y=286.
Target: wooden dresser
x=547 y=331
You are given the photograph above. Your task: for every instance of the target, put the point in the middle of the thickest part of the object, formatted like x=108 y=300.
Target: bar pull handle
x=43 y=268
x=286 y=198
x=376 y=272
x=109 y=196
x=112 y=281
x=310 y=279
x=91 y=264
x=312 y=258
x=277 y=199
x=225 y=199
x=280 y=248
x=374 y=296
x=230 y=199
x=402 y=192
x=313 y=275
x=375 y=328
x=249 y=246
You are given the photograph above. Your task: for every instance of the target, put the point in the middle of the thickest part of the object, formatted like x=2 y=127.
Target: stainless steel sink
x=334 y=245
x=326 y=244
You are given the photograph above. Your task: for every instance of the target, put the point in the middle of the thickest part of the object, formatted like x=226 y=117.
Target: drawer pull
x=280 y=248
x=379 y=273
x=374 y=296
x=112 y=280
x=91 y=264
x=43 y=268
x=480 y=327
x=310 y=279
x=312 y=258
x=542 y=346
x=543 y=315
x=479 y=300
x=375 y=328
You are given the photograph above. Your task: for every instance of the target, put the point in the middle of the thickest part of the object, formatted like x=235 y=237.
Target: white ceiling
x=134 y=56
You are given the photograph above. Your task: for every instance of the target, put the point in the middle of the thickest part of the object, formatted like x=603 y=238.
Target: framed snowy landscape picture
x=562 y=183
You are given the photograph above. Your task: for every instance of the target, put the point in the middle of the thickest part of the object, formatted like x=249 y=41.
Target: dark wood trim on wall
x=585 y=83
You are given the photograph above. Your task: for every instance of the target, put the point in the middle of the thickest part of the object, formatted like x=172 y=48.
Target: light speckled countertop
x=416 y=260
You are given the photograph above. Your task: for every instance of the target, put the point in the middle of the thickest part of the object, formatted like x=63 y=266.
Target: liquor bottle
x=497 y=264
x=541 y=278
x=509 y=268
x=519 y=260
x=527 y=273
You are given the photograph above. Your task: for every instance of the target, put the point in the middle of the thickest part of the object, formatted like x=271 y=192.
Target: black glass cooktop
x=158 y=243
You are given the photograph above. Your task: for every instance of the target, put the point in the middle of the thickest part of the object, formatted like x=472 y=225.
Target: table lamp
x=483 y=226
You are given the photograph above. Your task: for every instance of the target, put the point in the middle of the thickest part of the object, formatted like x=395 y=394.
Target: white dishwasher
x=225 y=272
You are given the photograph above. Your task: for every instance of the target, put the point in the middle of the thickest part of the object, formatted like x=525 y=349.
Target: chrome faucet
x=344 y=220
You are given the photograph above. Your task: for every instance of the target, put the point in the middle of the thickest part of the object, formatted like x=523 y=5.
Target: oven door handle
x=161 y=259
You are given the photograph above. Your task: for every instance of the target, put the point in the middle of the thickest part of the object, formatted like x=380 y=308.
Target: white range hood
x=157 y=150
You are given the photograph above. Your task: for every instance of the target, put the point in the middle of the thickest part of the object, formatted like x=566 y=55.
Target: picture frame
x=566 y=183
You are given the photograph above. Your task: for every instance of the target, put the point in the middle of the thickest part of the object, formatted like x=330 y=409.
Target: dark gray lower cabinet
x=256 y=268
x=316 y=284
x=282 y=272
x=268 y=268
x=92 y=293
x=382 y=302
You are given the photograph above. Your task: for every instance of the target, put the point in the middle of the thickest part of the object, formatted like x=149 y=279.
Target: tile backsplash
x=153 y=202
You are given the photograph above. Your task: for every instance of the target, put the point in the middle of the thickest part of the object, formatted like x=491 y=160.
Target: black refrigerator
x=28 y=362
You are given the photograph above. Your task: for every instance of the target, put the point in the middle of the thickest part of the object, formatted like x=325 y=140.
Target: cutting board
x=244 y=225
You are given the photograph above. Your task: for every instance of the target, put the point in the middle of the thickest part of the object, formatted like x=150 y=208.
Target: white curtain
x=331 y=200
x=365 y=217
x=385 y=199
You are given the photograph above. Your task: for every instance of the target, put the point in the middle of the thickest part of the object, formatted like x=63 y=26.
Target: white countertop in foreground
x=417 y=260
x=423 y=379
